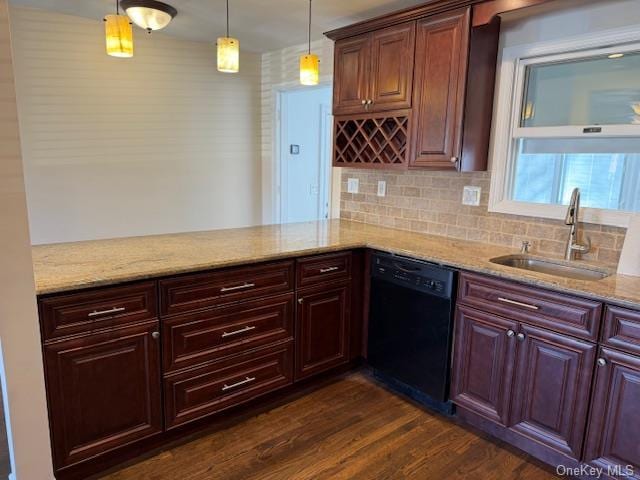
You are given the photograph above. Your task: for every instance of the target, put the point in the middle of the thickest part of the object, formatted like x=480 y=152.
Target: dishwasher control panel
x=422 y=276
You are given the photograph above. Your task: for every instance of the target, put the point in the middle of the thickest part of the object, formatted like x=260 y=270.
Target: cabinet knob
x=521 y=337
x=510 y=333
x=300 y=300
x=155 y=335
x=602 y=362
x=364 y=102
x=454 y=160
x=369 y=102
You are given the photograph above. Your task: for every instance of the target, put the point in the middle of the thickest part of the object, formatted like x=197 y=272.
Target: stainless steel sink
x=552 y=267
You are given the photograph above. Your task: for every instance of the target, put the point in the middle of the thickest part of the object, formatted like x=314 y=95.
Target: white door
x=305 y=146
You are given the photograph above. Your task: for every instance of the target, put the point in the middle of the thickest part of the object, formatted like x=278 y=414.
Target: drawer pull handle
x=519 y=304
x=236 y=332
x=226 y=387
x=329 y=269
x=97 y=313
x=237 y=287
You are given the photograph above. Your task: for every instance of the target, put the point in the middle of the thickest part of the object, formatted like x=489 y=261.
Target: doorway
x=305 y=154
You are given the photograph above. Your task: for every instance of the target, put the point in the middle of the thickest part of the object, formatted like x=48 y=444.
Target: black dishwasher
x=410 y=327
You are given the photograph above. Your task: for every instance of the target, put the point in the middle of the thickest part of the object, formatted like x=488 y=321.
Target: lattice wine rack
x=373 y=140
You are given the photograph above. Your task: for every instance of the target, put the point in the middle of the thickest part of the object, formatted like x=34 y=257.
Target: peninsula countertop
x=78 y=265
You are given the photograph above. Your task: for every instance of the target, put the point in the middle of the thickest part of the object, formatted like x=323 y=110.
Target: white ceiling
x=260 y=25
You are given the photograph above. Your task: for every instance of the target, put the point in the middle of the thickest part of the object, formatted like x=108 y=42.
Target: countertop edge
x=538 y=282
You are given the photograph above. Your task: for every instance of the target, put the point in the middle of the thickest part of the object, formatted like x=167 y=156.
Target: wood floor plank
x=349 y=429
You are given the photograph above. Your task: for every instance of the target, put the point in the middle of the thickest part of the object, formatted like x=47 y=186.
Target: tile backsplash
x=431 y=202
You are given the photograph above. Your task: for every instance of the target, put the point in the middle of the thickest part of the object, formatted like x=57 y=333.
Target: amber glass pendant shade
x=228 y=55
x=119 y=36
x=309 y=69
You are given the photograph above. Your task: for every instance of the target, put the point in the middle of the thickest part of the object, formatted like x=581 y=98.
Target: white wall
x=280 y=71
x=115 y=147
x=20 y=354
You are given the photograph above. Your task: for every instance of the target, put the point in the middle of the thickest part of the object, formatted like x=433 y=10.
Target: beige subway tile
x=476 y=235
x=454 y=231
x=468 y=221
x=541 y=231
x=410 y=213
x=498 y=238
x=551 y=247
x=411 y=191
x=609 y=256
x=516 y=228
x=437 y=229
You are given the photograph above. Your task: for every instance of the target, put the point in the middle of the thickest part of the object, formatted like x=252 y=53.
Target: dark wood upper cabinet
x=553 y=380
x=392 y=53
x=417 y=65
x=483 y=363
x=104 y=391
x=352 y=59
x=322 y=328
x=374 y=72
x=439 y=89
x=614 y=423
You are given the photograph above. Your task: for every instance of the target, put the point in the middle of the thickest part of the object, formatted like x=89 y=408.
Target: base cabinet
x=103 y=391
x=531 y=383
x=322 y=329
x=483 y=363
x=613 y=436
x=552 y=386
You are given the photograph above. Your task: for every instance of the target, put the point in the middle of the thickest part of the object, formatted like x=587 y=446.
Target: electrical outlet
x=352 y=185
x=471 y=196
x=382 y=188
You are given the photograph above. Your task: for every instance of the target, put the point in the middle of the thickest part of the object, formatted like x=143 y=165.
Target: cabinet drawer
x=64 y=315
x=196 y=338
x=565 y=314
x=323 y=268
x=205 y=390
x=622 y=329
x=198 y=291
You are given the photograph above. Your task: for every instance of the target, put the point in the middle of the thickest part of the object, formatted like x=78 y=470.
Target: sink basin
x=552 y=267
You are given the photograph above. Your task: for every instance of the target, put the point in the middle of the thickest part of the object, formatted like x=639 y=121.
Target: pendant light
x=149 y=14
x=309 y=63
x=228 y=51
x=119 y=35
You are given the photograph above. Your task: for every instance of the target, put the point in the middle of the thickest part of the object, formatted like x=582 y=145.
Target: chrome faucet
x=571 y=219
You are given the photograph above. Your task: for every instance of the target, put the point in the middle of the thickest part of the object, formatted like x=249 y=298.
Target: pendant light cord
x=310 y=27
x=227 y=18
x=117 y=7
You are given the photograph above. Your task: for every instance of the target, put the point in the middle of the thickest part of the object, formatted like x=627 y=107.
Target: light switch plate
x=353 y=184
x=471 y=196
x=382 y=188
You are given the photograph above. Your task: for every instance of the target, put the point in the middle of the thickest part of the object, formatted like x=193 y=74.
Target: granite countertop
x=72 y=266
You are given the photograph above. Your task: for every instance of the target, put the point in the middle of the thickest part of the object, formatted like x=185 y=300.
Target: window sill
x=558 y=212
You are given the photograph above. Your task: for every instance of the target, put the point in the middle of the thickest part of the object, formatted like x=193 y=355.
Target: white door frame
x=329 y=176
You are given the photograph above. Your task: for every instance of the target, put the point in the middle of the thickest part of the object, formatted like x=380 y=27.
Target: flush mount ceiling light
x=309 y=63
x=119 y=35
x=149 y=14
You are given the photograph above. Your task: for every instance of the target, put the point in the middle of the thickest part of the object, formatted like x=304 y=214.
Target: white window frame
x=506 y=126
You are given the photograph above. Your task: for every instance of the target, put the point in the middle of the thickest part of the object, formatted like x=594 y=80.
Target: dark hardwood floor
x=350 y=428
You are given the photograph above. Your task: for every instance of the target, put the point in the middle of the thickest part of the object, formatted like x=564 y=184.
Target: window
x=570 y=115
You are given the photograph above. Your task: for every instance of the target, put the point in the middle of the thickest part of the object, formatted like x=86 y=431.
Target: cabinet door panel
x=104 y=392
x=553 y=381
x=352 y=64
x=484 y=355
x=613 y=438
x=438 y=92
x=392 y=51
x=322 y=333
